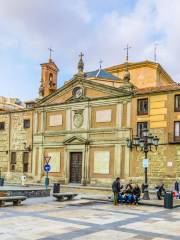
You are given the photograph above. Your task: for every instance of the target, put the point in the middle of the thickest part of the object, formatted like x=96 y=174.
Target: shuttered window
x=177 y=103
x=177 y=131
x=25 y=161
x=142 y=106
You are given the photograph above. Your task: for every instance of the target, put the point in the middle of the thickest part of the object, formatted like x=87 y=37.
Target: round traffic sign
x=47 y=168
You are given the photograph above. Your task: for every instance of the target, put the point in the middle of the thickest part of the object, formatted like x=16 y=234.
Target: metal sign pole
x=47 y=168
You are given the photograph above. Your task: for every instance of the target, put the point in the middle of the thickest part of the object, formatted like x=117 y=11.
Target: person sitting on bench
x=136 y=193
x=129 y=193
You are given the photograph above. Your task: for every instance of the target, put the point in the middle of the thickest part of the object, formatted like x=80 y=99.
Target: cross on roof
x=127 y=52
x=81 y=55
x=50 y=52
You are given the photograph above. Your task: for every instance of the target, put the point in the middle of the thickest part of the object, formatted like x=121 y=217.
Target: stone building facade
x=83 y=126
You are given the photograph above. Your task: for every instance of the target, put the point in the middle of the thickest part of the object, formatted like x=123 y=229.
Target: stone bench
x=61 y=196
x=15 y=199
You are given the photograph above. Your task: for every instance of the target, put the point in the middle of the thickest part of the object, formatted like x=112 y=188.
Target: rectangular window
x=2 y=125
x=13 y=158
x=26 y=123
x=177 y=103
x=177 y=131
x=25 y=161
x=140 y=127
x=142 y=106
x=13 y=161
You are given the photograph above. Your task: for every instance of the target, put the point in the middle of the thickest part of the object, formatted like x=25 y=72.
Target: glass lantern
x=156 y=141
x=145 y=132
x=150 y=139
x=136 y=141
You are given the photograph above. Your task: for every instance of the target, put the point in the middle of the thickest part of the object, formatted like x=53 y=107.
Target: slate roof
x=101 y=73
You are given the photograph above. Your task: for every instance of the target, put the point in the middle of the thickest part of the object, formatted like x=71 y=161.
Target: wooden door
x=75 y=167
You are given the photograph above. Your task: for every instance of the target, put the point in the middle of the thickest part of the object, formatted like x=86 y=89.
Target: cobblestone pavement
x=45 y=218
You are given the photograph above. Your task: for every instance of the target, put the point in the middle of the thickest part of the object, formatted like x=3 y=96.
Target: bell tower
x=49 y=73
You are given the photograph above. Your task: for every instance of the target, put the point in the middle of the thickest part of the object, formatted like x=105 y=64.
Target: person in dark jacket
x=160 y=191
x=176 y=186
x=129 y=186
x=136 y=193
x=129 y=193
x=116 y=189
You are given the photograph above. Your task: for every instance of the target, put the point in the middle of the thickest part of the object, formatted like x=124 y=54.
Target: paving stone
x=47 y=219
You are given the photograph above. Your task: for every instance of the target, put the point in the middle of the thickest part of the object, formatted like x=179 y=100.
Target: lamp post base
x=146 y=192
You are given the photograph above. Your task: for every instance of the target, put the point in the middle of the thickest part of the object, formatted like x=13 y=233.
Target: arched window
x=50 y=80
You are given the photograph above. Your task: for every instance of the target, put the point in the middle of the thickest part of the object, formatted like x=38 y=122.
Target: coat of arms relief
x=78 y=118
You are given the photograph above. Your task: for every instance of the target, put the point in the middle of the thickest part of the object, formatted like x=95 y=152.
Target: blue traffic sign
x=47 y=168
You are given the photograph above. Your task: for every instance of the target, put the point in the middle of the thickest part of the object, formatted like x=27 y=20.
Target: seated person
x=160 y=191
x=129 y=193
x=136 y=193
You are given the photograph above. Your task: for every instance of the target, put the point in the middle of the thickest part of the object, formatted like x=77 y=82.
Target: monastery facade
x=83 y=126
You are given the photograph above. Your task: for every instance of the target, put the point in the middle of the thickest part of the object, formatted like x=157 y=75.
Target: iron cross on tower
x=50 y=52
x=127 y=52
x=81 y=55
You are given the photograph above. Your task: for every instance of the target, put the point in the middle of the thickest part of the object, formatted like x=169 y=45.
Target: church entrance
x=75 y=167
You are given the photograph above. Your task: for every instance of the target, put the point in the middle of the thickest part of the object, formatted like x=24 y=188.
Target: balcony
x=173 y=139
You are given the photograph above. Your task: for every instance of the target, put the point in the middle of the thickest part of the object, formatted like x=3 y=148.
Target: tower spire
x=81 y=63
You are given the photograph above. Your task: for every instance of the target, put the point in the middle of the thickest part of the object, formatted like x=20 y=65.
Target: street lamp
x=144 y=144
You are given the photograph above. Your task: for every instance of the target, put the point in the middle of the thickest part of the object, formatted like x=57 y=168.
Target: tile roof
x=169 y=87
x=101 y=73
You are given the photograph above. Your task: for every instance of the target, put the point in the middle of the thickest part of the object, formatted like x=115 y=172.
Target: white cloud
x=28 y=28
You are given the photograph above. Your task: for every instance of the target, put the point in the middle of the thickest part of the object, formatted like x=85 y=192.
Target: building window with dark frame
x=177 y=131
x=140 y=127
x=13 y=161
x=25 y=161
x=177 y=103
x=2 y=125
x=26 y=123
x=142 y=106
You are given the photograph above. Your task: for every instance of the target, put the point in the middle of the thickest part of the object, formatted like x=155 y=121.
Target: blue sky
x=99 y=28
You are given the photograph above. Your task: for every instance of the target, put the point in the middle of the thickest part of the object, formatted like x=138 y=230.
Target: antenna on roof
x=155 y=52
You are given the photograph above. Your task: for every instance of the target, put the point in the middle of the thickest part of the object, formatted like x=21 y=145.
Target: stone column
x=127 y=162
x=128 y=123
x=119 y=115
x=117 y=162
x=68 y=119
x=66 y=165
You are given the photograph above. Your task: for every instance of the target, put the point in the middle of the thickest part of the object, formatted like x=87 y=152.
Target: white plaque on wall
x=169 y=164
x=55 y=161
x=55 y=120
x=101 y=162
x=103 y=115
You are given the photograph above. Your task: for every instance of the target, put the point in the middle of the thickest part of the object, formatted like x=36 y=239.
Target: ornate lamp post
x=144 y=144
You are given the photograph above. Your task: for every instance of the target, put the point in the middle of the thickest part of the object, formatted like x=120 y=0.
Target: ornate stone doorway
x=75 y=167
